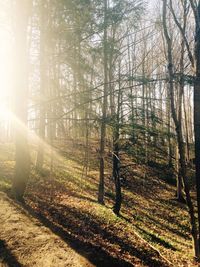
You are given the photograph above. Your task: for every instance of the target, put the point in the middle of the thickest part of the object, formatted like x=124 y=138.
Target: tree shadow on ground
x=86 y=234
x=7 y=259
x=94 y=253
x=54 y=189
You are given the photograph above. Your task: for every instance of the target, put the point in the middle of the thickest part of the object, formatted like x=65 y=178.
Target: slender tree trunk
x=180 y=196
x=40 y=154
x=116 y=159
x=179 y=134
x=103 y=123
x=197 y=113
x=186 y=128
x=170 y=164
x=179 y=181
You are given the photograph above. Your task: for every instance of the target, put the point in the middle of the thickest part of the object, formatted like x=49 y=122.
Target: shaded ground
x=25 y=242
x=6 y=257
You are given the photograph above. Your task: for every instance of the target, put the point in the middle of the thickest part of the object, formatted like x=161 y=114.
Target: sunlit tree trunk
x=22 y=165
x=180 y=196
x=40 y=155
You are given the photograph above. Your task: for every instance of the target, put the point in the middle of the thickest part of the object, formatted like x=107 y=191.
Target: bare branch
x=182 y=31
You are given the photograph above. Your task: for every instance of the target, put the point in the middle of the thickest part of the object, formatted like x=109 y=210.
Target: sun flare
x=5 y=113
x=6 y=77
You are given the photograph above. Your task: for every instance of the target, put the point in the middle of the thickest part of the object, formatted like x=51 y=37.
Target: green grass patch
x=154 y=238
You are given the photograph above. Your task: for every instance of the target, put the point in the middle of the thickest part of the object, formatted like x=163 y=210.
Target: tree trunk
x=197 y=114
x=179 y=134
x=22 y=165
x=103 y=123
x=40 y=155
x=116 y=160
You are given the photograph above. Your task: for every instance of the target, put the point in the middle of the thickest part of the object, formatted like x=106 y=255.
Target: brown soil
x=24 y=241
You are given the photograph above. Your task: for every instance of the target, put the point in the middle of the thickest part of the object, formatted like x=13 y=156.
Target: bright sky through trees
x=6 y=60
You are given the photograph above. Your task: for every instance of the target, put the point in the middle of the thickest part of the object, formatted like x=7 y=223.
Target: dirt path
x=25 y=242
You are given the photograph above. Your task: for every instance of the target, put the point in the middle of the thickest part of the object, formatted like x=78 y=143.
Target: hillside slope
x=153 y=229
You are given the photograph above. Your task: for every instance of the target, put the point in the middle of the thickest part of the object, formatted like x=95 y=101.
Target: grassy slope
x=67 y=199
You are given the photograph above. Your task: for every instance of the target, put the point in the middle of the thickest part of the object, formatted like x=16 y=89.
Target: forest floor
x=153 y=229
x=26 y=242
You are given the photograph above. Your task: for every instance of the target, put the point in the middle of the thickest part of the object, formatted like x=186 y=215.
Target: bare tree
x=178 y=127
x=104 y=110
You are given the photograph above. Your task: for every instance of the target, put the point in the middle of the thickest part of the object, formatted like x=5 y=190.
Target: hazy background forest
x=99 y=133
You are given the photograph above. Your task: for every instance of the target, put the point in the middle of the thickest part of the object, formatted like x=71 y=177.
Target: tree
x=104 y=109
x=22 y=166
x=177 y=122
x=116 y=149
x=43 y=70
x=197 y=106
